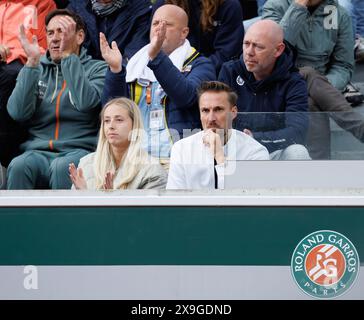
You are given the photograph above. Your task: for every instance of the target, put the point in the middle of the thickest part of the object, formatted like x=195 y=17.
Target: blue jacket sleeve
x=296 y=120
x=224 y=75
x=181 y=89
x=115 y=86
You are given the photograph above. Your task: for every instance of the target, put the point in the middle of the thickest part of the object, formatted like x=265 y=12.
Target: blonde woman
x=119 y=161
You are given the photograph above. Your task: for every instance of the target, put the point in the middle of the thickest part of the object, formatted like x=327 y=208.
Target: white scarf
x=137 y=66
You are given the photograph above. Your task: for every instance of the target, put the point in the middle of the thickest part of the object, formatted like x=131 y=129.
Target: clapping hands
x=79 y=181
x=111 y=55
x=157 y=40
x=109 y=181
x=77 y=178
x=31 y=49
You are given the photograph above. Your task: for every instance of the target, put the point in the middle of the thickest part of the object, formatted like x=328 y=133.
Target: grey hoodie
x=323 y=39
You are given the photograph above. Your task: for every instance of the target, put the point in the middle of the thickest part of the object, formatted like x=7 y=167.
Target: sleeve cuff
x=153 y=64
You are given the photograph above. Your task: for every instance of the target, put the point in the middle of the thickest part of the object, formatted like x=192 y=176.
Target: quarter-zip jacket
x=60 y=103
x=323 y=39
x=284 y=92
x=32 y=14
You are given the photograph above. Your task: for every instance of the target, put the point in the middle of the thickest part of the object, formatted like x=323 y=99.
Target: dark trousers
x=11 y=133
x=326 y=101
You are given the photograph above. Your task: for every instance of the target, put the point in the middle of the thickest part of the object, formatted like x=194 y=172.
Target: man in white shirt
x=198 y=162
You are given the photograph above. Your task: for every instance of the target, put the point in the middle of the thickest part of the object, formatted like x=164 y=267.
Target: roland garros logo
x=325 y=264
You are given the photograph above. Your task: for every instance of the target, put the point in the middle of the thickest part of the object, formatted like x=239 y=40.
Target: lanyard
x=149 y=95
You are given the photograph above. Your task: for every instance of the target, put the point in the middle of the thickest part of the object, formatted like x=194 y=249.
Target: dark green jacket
x=59 y=103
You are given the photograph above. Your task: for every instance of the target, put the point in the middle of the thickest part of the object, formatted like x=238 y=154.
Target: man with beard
x=162 y=78
x=198 y=162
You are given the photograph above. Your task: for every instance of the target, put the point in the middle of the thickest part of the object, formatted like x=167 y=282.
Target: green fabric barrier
x=167 y=235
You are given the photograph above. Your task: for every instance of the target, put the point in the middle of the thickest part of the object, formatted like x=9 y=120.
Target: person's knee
x=296 y=152
x=27 y=163
x=28 y=171
x=307 y=72
x=18 y=165
x=59 y=173
x=2 y=177
x=17 y=172
x=314 y=79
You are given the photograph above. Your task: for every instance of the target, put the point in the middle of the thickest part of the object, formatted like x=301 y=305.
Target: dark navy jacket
x=182 y=110
x=283 y=91
x=129 y=26
x=225 y=40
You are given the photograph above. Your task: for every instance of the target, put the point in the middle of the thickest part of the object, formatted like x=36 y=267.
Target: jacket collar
x=46 y=59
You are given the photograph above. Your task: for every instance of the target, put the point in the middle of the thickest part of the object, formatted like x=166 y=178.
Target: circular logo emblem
x=325 y=264
x=240 y=81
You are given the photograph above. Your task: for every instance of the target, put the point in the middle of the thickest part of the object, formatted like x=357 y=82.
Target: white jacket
x=192 y=163
x=151 y=176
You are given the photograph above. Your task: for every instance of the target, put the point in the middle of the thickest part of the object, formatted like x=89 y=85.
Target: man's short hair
x=80 y=24
x=217 y=86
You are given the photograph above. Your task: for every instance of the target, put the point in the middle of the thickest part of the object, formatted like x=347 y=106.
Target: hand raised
x=32 y=49
x=213 y=141
x=77 y=178
x=157 y=40
x=4 y=52
x=68 y=45
x=109 y=181
x=111 y=55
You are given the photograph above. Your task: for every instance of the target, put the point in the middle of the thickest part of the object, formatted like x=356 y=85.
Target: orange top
x=32 y=14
